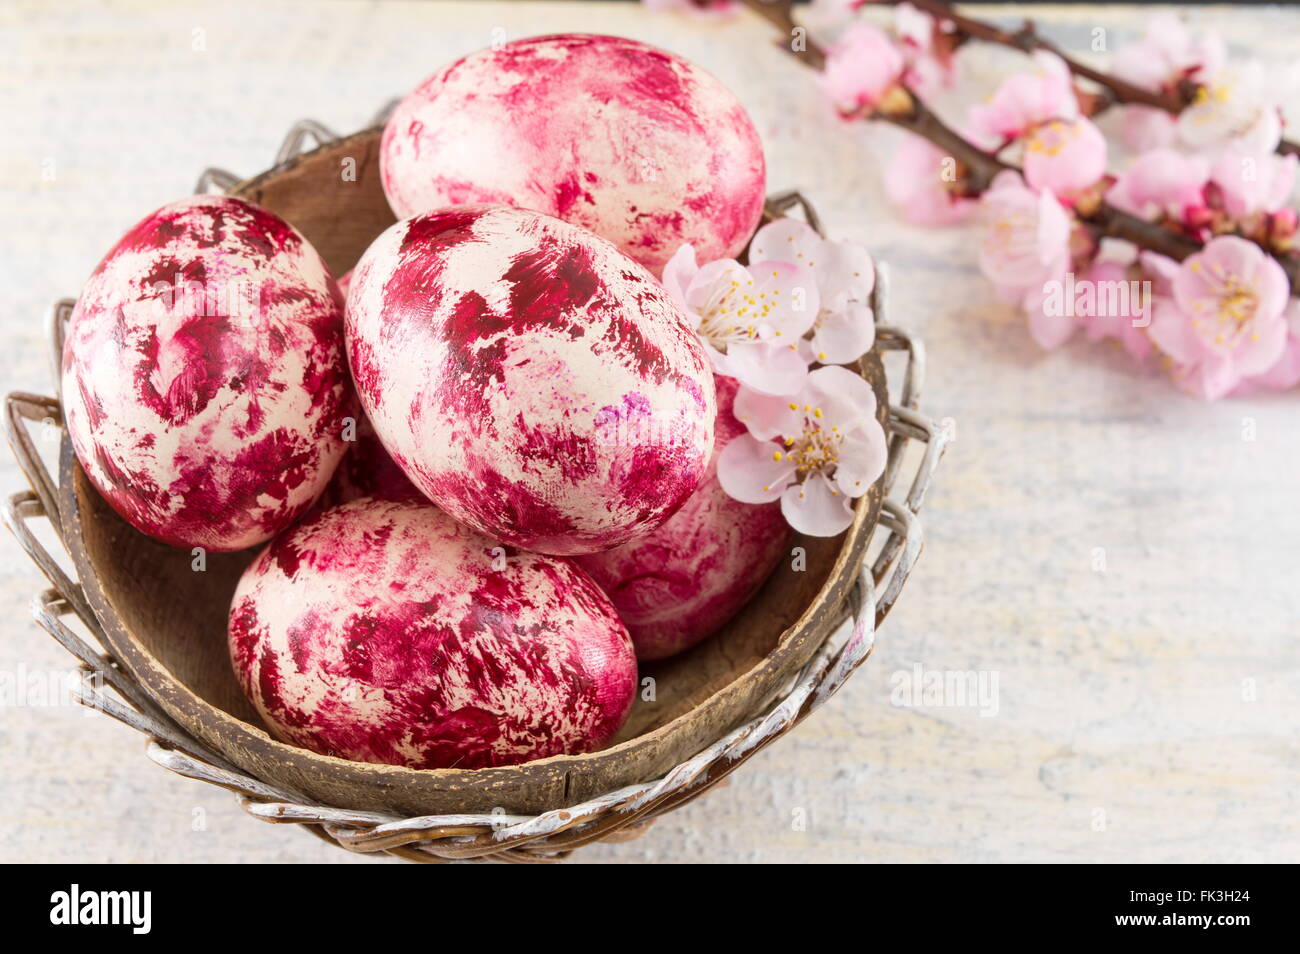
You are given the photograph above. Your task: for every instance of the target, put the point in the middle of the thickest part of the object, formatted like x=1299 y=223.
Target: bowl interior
x=165 y=615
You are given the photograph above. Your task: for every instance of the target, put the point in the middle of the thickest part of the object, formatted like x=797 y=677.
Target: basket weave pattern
x=551 y=835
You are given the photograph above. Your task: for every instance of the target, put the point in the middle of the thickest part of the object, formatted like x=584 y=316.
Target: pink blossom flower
x=1161 y=183
x=749 y=324
x=816 y=451
x=1236 y=108
x=1225 y=320
x=862 y=65
x=1065 y=156
x=920 y=182
x=1118 y=262
x=1027 y=240
x=1146 y=127
x=1253 y=183
x=931 y=65
x=1023 y=101
x=1167 y=55
x=1285 y=372
x=1160 y=270
x=1051 y=322
x=845 y=327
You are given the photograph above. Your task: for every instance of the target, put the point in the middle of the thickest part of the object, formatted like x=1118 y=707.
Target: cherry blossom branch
x=977 y=168
x=906 y=110
x=1027 y=40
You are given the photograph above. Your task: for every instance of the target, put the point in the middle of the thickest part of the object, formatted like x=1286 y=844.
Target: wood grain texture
x=1126 y=691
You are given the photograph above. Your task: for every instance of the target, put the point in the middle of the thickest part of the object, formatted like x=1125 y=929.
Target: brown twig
x=779 y=14
x=976 y=168
x=1027 y=40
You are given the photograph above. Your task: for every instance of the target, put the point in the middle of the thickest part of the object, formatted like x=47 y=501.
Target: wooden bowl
x=165 y=622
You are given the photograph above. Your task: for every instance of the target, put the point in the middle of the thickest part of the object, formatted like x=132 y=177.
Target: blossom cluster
x=783 y=326
x=1221 y=321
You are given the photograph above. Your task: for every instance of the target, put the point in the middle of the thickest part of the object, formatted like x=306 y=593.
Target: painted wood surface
x=1123 y=559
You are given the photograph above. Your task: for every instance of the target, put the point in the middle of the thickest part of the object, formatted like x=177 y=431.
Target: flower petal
x=766 y=416
x=916 y=182
x=712 y=282
x=1051 y=327
x=816 y=508
x=785 y=240
x=1259 y=352
x=678 y=272
x=1272 y=288
x=861 y=65
x=1285 y=372
x=767 y=367
x=717 y=359
x=844 y=335
x=1171 y=330
x=1053 y=229
x=862 y=459
x=1160 y=269
x=783 y=298
x=1065 y=157
x=1211 y=379
x=754 y=471
x=845 y=271
x=846 y=399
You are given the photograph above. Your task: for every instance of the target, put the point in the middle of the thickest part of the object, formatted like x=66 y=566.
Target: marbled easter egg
x=685 y=580
x=634 y=143
x=382 y=631
x=205 y=381
x=529 y=378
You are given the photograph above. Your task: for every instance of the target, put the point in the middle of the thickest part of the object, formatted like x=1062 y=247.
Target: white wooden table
x=1122 y=558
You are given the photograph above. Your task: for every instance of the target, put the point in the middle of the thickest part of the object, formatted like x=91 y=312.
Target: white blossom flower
x=750 y=320
x=1238 y=107
x=1028 y=236
x=844 y=327
x=815 y=451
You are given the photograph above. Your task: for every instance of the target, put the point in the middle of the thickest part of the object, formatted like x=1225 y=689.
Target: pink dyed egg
x=204 y=376
x=529 y=378
x=634 y=143
x=381 y=631
x=684 y=581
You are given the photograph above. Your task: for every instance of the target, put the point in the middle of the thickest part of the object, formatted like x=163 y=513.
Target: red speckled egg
x=632 y=142
x=529 y=378
x=204 y=376
x=383 y=631
x=682 y=582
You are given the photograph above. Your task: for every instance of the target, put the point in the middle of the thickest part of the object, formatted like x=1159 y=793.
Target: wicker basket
x=161 y=665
